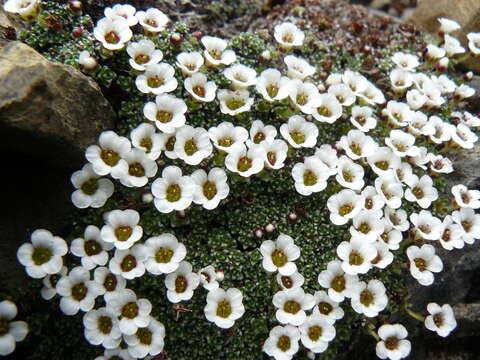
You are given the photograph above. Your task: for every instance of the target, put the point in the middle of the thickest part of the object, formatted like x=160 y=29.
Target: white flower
x=441 y=319
x=356 y=256
x=101 y=328
x=108 y=157
x=402 y=143
x=446 y=85
x=442 y=130
x=310 y=176
x=464 y=91
x=276 y=153
x=470 y=223
x=157 y=79
x=343 y=94
x=328 y=109
x=144 y=137
x=357 y=145
x=451 y=237
x=383 y=160
x=299 y=132
x=241 y=76
x=384 y=256
x=463 y=136
x=465 y=197
x=362 y=118
x=372 y=95
x=147 y=340
x=474 y=42
x=304 y=95
x=91 y=190
x=121 y=354
x=391 y=237
x=390 y=189
x=12 y=331
x=124 y=12
x=109 y=284
x=173 y=191
x=282 y=342
x=152 y=20
x=224 y=307
x=373 y=201
x=140 y=169
x=49 y=290
x=246 y=162
x=398 y=219
x=326 y=309
x=344 y=206
x=338 y=283
x=44 y=255
x=133 y=313
x=350 y=174
x=86 y=61
x=356 y=82
x=288 y=34
x=290 y=281
x=393 y=344
x=316 y=333
x=401 y=80
x=168 y=144
x=143 y=54
x=260 y=132
x=298 y=68
x=369 y=299
x=227 y=137
x=91 y=248
x=447 y=25
x=192 y=145
x=189 y=62
x=291 y=305
x=428 y=226
x=210 y=277
x=333 y=78
x=280 y=255
x=420 y=124
x=452 y=46
x=181 y=283
x=328 y=155
x=398 y=113
x=27 y=9
x=435 y=52
x=129 y=263
x=163 y=254
x=215 y=51
x=367 y=226
x=113 y=34
x=415 y=99
x=234 y=102
x=210 y=188
x=423 y=263
x=200 y=89
x=121 y=228
x=406 y=62
x=78 y=291
x=272 y=85
x=422 y=192
x=168 y=112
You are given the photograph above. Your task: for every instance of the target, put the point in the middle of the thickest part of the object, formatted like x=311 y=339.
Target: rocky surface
x=465 y=12
x=49 y=113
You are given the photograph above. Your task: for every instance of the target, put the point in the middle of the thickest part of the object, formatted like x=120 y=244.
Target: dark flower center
x=181 y=284
x=92 y=247
x=338 y=283
x=284 y=343
x=244 y=164
x=144 y=335
x=105 y=324
x=129 y=263
x=136 y=169
x=163 y=255
x=315 y=332
x=41 y=255
x=130 y=310
x=109 y=157
x=110 y=282
x=90 y=186
x=112 y=37
x=79 y=291
x=123 y=233
x=292 y=307
x=325 y=308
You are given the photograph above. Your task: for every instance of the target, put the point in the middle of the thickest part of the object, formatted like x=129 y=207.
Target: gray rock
x=48 y=110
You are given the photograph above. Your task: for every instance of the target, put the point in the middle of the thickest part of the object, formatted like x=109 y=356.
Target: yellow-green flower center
x=209 y=190
x=41 y=255
x=130 y=310
x=338 y=283
x=224 y=309
x=272 y=90
x=366 y=297
x=144 y=335
x=421 y=264
x=181 y=284
x=90 y=186
x=142 y=59
x=324 y=111
x=314 y=332
x=170 y=143
x=259 y=137
x=355 y=258
x=164 y=116
x=147 y=144
x=136 y=169
x=292 y=307
x=122 y=233
x=163 y=255
x=297 y=136
x=109 y=157
x=284 y=343
x=279 y=258
x=105 y=324
x=174 y=192
x=155 y=81
x=112 y=37
x=234 y=103
x=309 y=178
x=244 y=164
x=345 y=209
x=199 y=90
x=226 y=141
x=418 y=192
x=364 y=228
x=383 y=165
x=190 y=147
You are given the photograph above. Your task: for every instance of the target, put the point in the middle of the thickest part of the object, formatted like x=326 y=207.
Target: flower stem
x=415 y=315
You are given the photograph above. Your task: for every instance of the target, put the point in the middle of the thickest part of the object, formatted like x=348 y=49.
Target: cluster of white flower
x=402 y=167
